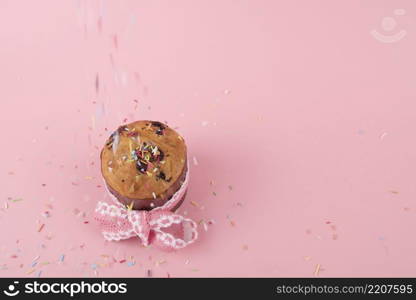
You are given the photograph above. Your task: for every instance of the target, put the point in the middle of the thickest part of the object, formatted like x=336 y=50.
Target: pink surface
x=299 y=106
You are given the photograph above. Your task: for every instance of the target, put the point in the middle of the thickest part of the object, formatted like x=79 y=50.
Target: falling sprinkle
x=149 y=273
x=317 y=269
x=194 y=203
x=230 y=187
x=115 y=41
x=195 y=161
x=100 y=24
x=62 y=258
x=245 y=247
x=97 y=83
x=41 y=227
x=394 y=192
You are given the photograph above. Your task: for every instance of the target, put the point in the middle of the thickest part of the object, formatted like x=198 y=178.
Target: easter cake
x=144 y=164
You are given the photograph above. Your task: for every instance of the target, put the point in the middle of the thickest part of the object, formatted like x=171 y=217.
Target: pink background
x=295 y=104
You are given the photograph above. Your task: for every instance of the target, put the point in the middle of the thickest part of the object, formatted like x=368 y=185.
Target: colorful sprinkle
x=41 y=227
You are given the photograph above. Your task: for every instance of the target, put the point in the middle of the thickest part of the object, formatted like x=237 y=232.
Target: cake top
x=141 y=160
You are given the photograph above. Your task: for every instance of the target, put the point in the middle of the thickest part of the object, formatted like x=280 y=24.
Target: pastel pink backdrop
x=294 y=104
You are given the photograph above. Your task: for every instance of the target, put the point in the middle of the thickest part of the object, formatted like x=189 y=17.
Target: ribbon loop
x=162 y=228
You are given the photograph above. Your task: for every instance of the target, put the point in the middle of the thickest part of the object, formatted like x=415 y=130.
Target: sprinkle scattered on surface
x=317 y=269
x=131 y=263
x=383 y=135
x=17 y=200
x=149 y=273
x=194 y=203
x=160 y=262
x=30 y=271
